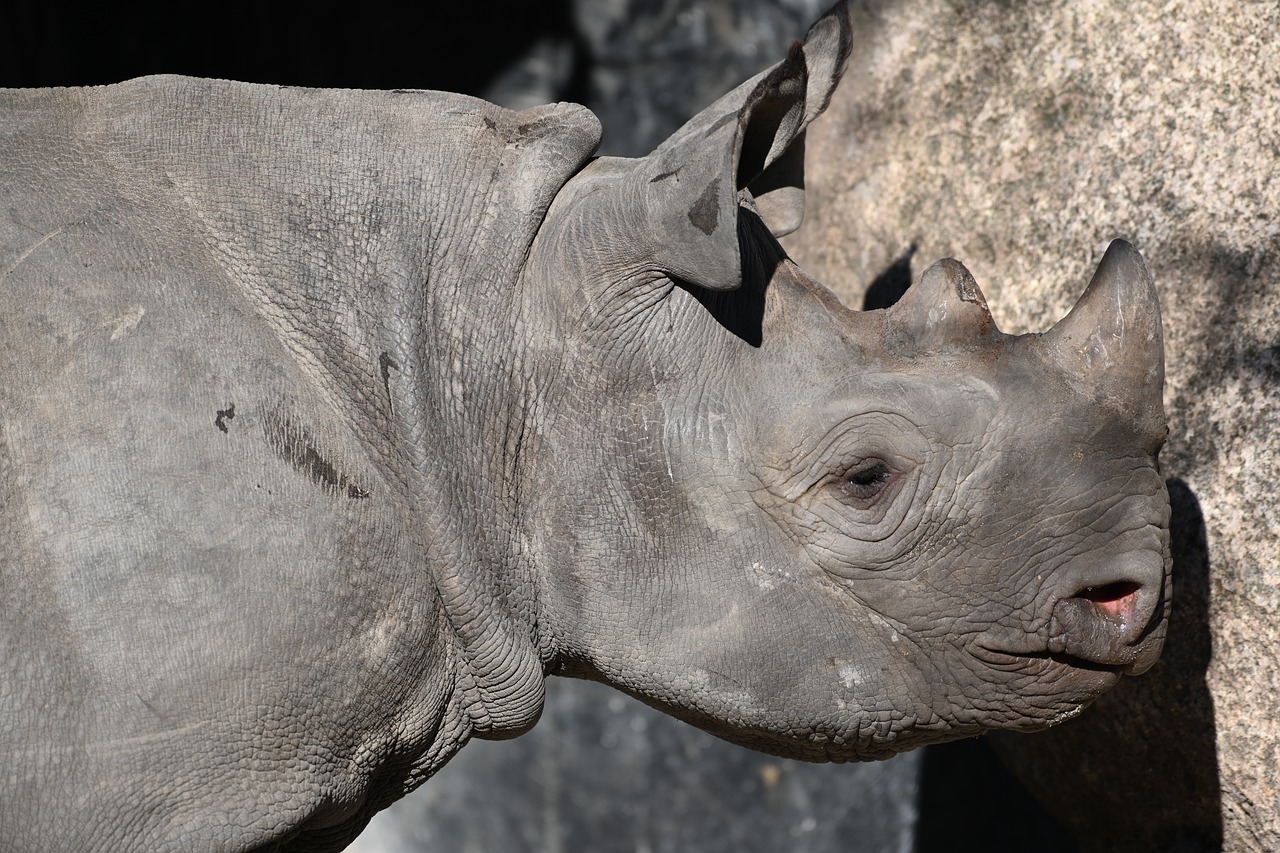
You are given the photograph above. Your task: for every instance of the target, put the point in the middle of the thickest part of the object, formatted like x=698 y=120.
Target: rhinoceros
x=333 y=422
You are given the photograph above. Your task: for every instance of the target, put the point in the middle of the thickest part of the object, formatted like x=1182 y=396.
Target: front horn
x=1112 y=338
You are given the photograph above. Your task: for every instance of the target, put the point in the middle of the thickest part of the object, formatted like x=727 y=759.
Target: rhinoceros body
x=332 y=422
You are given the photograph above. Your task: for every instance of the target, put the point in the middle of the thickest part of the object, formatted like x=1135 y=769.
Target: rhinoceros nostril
x=1112 y=597
x=1117 y=600
x=1111 y=622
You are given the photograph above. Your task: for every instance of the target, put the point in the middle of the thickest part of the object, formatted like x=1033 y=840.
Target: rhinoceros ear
x=778 y=189
x=748 y=147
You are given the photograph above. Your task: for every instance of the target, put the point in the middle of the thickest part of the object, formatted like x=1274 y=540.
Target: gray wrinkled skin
x=332 y=422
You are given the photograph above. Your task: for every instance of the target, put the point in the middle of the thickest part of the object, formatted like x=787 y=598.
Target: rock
x=1021 y=139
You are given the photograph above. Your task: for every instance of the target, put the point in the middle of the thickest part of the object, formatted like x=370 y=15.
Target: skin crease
x=437 y=420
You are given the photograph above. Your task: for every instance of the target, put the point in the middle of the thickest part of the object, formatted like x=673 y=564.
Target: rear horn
x=944 y=307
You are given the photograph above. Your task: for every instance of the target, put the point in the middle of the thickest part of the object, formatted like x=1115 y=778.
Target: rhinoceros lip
x=1114 y=626
x=1138 y=659
x=1019 y=659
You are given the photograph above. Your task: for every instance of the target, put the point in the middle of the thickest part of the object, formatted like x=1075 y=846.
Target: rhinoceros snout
x=1115 y=622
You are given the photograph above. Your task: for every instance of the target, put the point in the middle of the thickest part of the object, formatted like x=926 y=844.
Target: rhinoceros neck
x=380 y=235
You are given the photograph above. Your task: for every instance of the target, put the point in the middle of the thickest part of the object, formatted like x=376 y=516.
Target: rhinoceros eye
x=866 y=479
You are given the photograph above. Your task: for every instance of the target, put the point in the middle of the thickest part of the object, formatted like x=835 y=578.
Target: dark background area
x=609 y=769
x=366 y=45
x=643 y=65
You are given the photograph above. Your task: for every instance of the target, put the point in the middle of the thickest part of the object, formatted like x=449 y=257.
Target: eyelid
x=872 y=467
x=885 y=475
x=885 y=435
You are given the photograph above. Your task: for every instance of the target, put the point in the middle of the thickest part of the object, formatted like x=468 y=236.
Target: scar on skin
x=127 y=322
x=296 y=445
x=223 y=415
x=705 y=213
x=30 y=249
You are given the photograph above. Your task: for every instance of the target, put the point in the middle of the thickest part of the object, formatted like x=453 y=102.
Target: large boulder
x=1021 y=139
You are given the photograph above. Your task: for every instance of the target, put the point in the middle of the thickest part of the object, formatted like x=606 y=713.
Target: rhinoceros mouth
x=1042 y=661
x=1114 y=623
x=1119 y=624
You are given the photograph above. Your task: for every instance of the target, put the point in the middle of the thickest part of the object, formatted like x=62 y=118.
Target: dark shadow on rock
x=970 y=803
x=888 y=287
x=1138 y=771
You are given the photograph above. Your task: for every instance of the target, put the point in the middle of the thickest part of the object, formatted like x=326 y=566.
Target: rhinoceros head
x=820 y=532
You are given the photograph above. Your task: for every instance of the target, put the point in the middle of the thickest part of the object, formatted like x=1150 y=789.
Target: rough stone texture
x=1021 y=138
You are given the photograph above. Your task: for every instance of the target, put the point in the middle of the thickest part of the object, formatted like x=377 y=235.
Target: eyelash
x=866 y=479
